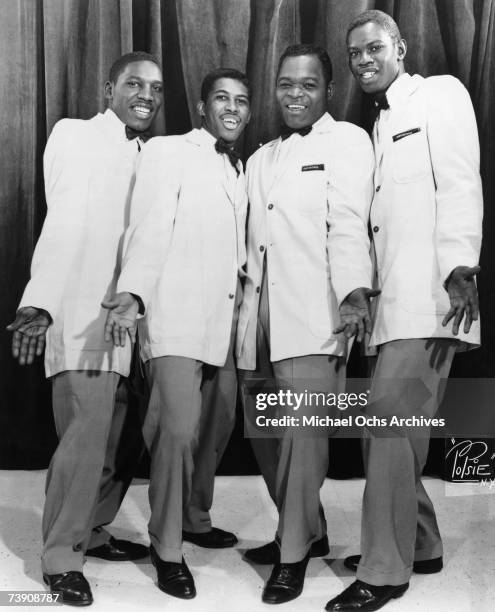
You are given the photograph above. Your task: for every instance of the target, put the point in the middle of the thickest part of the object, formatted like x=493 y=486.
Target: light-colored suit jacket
x=309 y=204
x=427 y=208
x=186 y=246
x=88 y=168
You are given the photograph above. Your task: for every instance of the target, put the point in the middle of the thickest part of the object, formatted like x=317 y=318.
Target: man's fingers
x=40 y=347
x=468 y=319
x=475 y=307
x=449 y=316
x=350 y=330
x=16 y=344
x=339 y=329
x=472 y=271
x=457 y=321
x=21 y=319
x=110 y=304
x=368 y=326
x=360 y=330
x=115 y=334
x=122 y=334
x=108 y=327
x=27 y=350
x=132 y=333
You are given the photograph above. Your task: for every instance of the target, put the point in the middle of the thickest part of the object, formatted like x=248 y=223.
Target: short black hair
x=120 y=65
x=223 y=73
x=380 y=18
x=319 y=52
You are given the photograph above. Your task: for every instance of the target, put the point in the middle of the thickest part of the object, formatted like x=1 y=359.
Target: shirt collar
x=400 y=89
x=114 y=125
x=322 y=121
x=205 y=137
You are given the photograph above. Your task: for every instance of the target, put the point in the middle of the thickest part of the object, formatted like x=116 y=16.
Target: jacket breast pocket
x=311 y=190
x=410 y=155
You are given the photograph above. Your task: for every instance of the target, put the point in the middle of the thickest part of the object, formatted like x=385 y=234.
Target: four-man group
x=270 y=270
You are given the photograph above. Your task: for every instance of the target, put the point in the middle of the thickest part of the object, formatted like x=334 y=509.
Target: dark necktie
x=286 y=131
x=222 y=146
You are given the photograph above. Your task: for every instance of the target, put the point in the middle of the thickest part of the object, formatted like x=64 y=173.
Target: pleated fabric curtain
x=54 y=59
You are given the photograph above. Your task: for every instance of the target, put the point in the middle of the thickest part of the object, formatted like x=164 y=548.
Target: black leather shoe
x=269 y=554
x=286 y=582
x=118 y=550
x=216 y=538
x=72 y=588
x=428 y=566
x=173 y=578
x=365 y=597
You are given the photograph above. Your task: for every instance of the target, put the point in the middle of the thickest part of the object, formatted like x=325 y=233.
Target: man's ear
x=108 y=90
x=401 y=49
x=201 y=108
x=330 y=90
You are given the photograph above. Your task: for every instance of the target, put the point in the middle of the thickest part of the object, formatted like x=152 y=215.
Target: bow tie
x=131 y=133
x=286 y=131
x=381 y=103
x=222 y=146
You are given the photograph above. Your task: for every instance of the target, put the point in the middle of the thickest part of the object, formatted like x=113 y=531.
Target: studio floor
x=225 y=582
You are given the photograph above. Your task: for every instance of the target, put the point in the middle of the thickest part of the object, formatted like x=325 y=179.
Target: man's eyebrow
x=303 y=78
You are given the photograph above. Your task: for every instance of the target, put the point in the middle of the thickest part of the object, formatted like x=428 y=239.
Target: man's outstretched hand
x=123 y=309
x=29 y=327
x=463 y=296
x=355 y=319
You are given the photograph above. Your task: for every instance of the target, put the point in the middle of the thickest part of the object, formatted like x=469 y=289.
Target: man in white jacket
x=426 y=221
x=88 y=168
x=184 y=255
x=307 y=251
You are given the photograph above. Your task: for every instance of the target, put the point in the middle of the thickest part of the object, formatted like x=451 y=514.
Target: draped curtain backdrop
x=54 y=58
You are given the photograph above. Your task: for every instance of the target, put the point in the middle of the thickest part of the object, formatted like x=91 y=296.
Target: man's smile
x=141 y=110
x=231 y=122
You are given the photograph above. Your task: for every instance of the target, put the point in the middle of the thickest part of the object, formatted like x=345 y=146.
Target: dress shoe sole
x=65 y=601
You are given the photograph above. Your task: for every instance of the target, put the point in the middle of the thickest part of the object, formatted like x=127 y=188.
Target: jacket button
x=77 y=547
x=376 y=228
x=258 y=289
x=270 y=206
x=262 y=248
x=378 y=188
x=231 y=296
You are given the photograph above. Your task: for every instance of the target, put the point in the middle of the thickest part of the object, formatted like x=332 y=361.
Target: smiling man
x=184 y=255
x=89 y=166
x=426 y=220
x=309 y=192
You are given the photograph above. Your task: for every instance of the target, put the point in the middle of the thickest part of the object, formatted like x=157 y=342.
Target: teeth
x=367 y=75
x=296 y=106
x=230 y=123
x=142 y=110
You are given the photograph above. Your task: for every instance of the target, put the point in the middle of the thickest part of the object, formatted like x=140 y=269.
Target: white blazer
x=309 y=205
x=427 y=209
x=186 y=246
x=88 y=168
